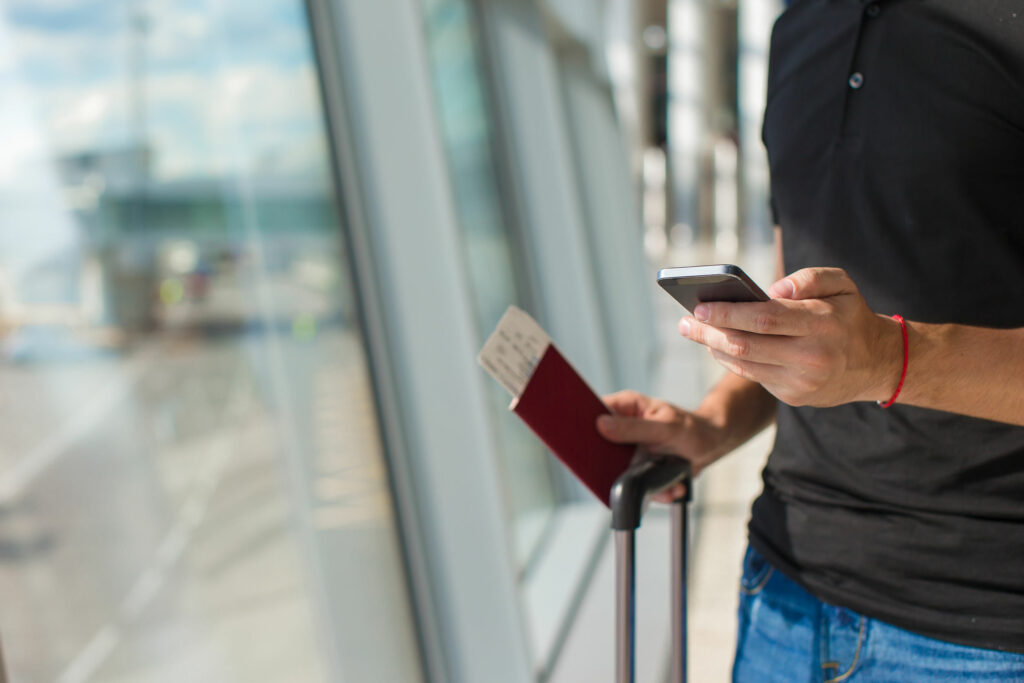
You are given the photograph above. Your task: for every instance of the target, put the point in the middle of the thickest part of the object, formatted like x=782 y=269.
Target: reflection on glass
x=467 y=136
x=185 y=416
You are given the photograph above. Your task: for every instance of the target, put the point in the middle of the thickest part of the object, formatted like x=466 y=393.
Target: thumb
x=813 y=283
x=619 y=429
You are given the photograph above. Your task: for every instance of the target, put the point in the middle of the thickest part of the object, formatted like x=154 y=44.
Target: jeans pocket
x=756 y=572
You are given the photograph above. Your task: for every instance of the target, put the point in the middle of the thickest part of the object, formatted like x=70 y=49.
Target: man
x=888 y=542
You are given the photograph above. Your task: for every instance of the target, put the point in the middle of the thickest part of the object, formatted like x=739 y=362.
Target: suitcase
x=646 y=476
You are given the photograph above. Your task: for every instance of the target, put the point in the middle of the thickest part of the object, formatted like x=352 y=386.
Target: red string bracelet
x=906 y=359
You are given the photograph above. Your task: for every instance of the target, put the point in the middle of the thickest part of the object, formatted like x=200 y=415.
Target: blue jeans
x=786 y=635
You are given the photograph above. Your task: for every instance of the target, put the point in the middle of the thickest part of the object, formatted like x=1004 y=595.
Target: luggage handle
x=646 y=476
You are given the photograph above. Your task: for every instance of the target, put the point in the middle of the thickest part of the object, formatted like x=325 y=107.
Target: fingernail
x=702 y=313
x=684 y=327
x=784 y=288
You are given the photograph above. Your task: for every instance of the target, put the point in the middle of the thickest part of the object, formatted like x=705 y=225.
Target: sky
x=216 y=90
x=197 y=80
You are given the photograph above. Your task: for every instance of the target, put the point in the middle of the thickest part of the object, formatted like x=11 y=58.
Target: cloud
x=34 y=226
x=210 y=92
x=227 y=88
x=262 y=118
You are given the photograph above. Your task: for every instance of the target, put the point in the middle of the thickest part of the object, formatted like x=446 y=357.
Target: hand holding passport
x=553 y=400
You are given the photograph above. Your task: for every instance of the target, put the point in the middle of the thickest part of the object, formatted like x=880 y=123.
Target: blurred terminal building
x=249 y=251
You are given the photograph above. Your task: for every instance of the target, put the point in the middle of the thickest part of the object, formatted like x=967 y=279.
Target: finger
x=620 y=429
x=746 y=346
x=813 y=283
x=761 y=373
x=672 y=494
x=630 y=403
x=771 y=317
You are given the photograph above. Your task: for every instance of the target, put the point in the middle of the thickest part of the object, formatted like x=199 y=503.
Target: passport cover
x=561 y=409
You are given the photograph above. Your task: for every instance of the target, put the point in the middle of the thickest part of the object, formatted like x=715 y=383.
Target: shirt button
x=856 y=80
x=873 y=10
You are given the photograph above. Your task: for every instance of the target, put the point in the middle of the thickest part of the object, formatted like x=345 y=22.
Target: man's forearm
x=740 y=408
x=968 y=370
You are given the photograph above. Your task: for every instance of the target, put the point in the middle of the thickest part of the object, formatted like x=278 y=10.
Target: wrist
x=933 y=349
x=890 y=354
x=733 y=411
x=722 y=429
x=708 y=437
x=713 y=412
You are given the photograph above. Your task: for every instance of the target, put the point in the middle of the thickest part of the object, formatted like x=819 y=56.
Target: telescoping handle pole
x=679 y=528
x=646 y=476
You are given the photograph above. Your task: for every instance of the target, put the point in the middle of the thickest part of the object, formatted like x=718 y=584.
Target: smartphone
x=695 y=284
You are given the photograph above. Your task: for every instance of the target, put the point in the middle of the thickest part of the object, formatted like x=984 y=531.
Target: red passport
x=561 y=409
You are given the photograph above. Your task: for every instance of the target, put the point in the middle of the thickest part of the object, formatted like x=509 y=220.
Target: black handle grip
x=646 y=475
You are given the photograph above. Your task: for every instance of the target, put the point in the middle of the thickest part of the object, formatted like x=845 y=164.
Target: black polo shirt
x=895 y=136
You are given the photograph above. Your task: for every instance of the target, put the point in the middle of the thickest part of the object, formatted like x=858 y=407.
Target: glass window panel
x=466 y=129
x=188 y=439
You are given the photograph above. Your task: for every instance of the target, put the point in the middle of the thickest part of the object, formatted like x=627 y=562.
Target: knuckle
x=660 y=411
x=793 y=396
x=765 y=323
x=816 y=360
x=738 y=347
x=829 y=321
x=622 y=429
x=720 y=316
x=808 y=385
x=834 y=357
x=805 y=276
x=663 y=432
x=616 y=400
x=848 y=282
x=734 y=368
x=611 y=426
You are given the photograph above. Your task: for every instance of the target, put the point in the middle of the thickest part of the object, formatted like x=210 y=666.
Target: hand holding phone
x=825 y=346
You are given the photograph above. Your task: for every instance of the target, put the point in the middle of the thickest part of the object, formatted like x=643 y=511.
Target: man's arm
x=973 y=371
x=740 y=408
